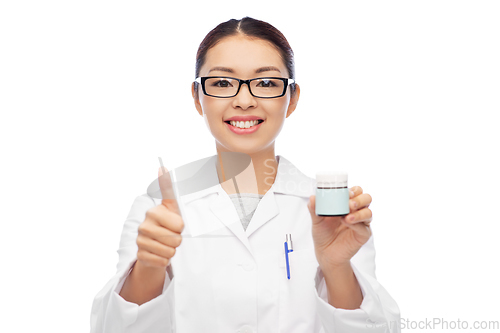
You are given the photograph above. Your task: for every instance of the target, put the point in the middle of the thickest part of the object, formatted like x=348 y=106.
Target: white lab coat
x=226 y=279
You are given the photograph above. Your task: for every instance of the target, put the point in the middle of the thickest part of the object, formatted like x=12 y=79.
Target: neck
x=258 y=177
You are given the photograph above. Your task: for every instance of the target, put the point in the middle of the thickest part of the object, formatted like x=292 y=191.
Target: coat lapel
x=222 y=207
x=289 y=181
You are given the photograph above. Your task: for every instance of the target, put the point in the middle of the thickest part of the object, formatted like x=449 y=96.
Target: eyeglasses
x=262 y=87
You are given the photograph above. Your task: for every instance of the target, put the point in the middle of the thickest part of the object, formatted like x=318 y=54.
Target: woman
x=227 y=244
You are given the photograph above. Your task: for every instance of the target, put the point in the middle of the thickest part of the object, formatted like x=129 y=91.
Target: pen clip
x=289 y=240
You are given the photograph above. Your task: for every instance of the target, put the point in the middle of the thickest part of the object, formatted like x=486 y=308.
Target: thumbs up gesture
x=160 y=233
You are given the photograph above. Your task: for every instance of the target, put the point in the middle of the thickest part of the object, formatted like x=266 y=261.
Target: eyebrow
x=258 y=70
x=267 y=69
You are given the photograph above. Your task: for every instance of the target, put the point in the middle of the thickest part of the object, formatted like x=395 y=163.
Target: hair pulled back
x=250 y=27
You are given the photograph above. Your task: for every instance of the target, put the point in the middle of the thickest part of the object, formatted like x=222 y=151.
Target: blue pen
x=288 y=239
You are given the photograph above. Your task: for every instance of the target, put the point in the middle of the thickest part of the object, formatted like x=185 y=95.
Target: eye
x=266 y=83
x=221 y=83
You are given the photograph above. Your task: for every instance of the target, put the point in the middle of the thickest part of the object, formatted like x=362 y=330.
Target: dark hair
x=250 y=27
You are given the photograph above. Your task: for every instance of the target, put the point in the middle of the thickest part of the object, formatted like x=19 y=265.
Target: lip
x=244 y=118
x=241 y=131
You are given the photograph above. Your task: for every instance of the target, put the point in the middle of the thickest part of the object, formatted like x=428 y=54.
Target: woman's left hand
x=338 y=238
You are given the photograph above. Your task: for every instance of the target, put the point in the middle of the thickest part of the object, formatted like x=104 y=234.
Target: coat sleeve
x=110 y=312
x=378 y=312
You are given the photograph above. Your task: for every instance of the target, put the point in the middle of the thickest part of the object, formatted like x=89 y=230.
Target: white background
x=402 y=94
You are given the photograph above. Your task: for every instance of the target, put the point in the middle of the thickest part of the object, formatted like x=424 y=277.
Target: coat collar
x=289 y=180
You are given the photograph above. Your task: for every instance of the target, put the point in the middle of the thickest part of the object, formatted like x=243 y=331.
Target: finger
x=155 y=247
x=364 y=231
x=355 y=191
x=162 y=235
x=361 y=215
x=152 y=259
x=167 y=190
x=163 y=219
x=361 y=201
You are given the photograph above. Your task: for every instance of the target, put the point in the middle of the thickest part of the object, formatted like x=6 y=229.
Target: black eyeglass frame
x=202 y=79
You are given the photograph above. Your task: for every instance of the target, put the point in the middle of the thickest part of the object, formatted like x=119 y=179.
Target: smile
x=244 y=127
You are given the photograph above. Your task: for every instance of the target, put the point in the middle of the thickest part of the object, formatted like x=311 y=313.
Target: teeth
x=244 y=124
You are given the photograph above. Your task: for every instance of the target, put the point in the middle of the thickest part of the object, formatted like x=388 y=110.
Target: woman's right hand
x=160 y=233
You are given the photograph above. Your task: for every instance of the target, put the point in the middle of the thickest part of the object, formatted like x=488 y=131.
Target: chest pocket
x=297 y=308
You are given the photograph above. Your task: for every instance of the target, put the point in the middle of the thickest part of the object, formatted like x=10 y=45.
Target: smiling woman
x=230 y=274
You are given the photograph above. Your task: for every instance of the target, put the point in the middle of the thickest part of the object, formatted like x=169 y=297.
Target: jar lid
x=331 y=178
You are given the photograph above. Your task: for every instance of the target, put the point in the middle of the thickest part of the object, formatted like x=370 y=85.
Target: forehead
x=243 y=55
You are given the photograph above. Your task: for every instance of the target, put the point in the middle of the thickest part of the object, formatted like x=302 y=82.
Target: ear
x=196 y=99
x=293 y=101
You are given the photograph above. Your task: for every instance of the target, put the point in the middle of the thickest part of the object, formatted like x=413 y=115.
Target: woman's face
x=244 y=58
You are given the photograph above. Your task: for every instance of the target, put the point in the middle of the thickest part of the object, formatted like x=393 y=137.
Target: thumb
x=311 y=205
x=167 y=190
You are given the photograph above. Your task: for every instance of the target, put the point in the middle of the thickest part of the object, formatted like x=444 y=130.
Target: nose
x=244 y=99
